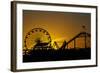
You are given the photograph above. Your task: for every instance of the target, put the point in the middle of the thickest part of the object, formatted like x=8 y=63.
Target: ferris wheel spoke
x=37 y=36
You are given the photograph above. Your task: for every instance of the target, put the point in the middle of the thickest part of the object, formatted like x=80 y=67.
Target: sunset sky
x=60 y=25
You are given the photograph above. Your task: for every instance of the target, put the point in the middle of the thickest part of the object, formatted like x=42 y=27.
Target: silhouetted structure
x=37 y=39
x=84 y=35
x=40 y=44
x=62 y=53
x=80 y=35
x=63 y=45
x=57 y=55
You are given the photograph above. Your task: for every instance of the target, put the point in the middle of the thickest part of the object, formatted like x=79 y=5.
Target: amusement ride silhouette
x=38 y=47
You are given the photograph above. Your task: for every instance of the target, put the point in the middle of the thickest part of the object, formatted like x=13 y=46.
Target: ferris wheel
x=37 y=38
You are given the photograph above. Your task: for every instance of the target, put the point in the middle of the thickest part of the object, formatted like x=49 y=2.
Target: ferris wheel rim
x=36 y=29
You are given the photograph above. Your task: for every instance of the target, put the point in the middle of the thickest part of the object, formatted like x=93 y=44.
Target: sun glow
x=57 y=43
x=62 y=26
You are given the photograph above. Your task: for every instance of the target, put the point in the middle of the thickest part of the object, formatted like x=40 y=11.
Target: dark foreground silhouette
x=57 y=55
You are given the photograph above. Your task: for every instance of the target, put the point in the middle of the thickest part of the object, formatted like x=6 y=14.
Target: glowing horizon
x=60 y=25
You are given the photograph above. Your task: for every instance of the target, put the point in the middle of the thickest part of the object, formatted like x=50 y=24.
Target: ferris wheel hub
x=37 y=38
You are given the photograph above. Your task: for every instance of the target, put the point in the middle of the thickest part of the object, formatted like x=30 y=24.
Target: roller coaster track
x=79 y=35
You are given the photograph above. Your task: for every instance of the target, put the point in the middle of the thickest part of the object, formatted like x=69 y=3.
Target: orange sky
x=60 y=25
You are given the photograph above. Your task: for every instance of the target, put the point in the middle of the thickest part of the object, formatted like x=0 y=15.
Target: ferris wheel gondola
x=37 y=38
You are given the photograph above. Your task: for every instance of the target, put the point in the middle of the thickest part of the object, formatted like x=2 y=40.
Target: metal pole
x=85 y=40
x=74 y=43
